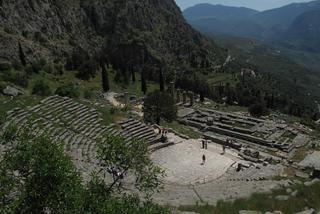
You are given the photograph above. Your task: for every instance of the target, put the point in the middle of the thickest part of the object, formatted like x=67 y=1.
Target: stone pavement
x=188 y=182
x=183 y=163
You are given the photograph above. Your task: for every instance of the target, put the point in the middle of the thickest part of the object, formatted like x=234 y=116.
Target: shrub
x=159 y=106
x=21 y=79
x=2 y=86
x=88 y=94
x=48 y=68
x=87 y=70
x=68 y=90
x=258 y=109
x=41 y=88
x=114 y=110
x=59 y=68
x=15 y=77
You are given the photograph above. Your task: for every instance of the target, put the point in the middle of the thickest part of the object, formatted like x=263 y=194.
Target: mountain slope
x=266 y=25
x=304 y=32
x=236 y=27
x=284 y=16
x=204 y=11
x=124 y=31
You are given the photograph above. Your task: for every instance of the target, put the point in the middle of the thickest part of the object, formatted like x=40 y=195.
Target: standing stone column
x=178 y=96
x=184 y=97
x=191 y=95
x=126 y=98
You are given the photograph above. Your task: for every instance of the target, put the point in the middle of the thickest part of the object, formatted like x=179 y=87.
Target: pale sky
x=254 y=4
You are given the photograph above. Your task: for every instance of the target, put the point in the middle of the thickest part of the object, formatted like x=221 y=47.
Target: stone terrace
x=133 y=129
x=78 y=126
x=246 y=131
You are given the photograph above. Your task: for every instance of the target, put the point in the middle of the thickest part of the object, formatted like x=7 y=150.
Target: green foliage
x=306 y=197
x=133 y=76
x=2 y=118
x=15 y=77
x=161 y=80
x=52 y=68
x=22 y=55
x=257 y=109
x=121 y=76
x=68 y=90
x=88 y=94
x=41 y=88
x=124 y=157
x=2 y=86
x=105 y=78
x=87 y=70
x=59 y=68
x=36 y=177
x=144 y=87
x=159 y=105
x=98 y=201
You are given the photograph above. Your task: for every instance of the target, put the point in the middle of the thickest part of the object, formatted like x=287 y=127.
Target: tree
x=41 y=88
x=68 y=90
x=133 y=76
x=98 y=201
x=144 y=87
x=119 y=157
x=22 y=56
x=87 y=70
x=105 y=78
x=161 y=81
x=36 y=176
x=201 y=96
x=258 y=109
x=159 y=105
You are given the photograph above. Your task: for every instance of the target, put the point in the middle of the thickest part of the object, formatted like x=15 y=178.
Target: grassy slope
x=110 y=114
x=306 y=197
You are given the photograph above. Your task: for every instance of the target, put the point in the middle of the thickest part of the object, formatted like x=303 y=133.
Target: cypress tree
x=133 y=76
x=201 y=96
x=105 y=78
x=22 y=56
x=143 y=83
x=161 y=81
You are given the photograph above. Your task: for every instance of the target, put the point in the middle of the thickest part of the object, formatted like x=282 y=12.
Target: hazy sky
x=255 y=4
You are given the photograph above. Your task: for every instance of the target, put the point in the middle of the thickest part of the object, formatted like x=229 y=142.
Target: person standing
x=203 y=159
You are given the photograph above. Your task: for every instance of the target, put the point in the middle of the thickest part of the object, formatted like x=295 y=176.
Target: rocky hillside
x=151 y=31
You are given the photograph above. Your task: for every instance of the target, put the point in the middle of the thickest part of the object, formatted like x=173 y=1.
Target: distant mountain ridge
x=206 y=11
x=270 y=25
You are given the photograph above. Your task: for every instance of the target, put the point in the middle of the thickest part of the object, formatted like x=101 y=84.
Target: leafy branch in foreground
x=37 y=176
x=121 y=159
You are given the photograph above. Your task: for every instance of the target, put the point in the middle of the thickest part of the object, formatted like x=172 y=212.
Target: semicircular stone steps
x=78 y=126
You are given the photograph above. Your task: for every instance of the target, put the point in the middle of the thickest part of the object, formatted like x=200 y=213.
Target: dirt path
x=110 y=97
